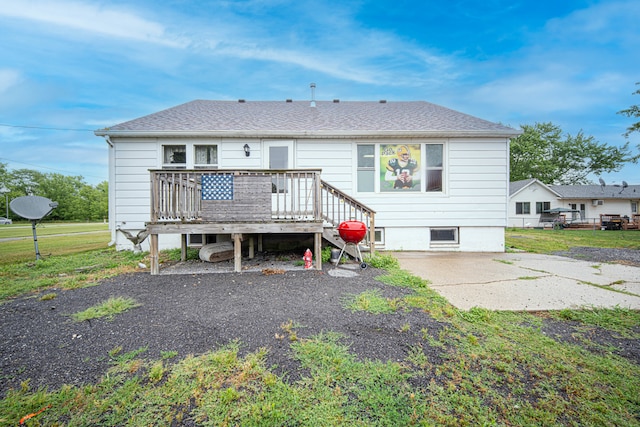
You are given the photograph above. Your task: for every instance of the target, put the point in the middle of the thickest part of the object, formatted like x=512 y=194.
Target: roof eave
x=507 y=133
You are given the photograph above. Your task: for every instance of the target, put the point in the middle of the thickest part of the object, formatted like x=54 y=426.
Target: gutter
x=372 y=134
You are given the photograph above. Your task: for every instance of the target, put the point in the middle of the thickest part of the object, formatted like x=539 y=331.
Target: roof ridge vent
x=313 y=94
x=336 y=101
x=241 y=101
x=383 y=101
x=288 y=100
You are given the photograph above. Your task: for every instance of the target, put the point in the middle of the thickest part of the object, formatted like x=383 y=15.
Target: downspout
x=113 y=235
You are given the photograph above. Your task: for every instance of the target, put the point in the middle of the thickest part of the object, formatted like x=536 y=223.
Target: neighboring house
x=436 y=179
x=528 y=198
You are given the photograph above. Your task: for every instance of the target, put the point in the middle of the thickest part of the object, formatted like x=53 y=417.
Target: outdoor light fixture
x=247 y=150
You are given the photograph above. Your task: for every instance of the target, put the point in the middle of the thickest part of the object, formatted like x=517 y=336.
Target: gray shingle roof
x=597 y=192
x=298 y=117
x=516 y=186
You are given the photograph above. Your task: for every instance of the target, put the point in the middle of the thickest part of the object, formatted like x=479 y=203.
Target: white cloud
x=92 y=18
x=601 y=23
x=8 y=79
x=585 y=69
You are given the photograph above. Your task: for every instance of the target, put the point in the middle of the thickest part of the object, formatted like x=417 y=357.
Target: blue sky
x=69 y=67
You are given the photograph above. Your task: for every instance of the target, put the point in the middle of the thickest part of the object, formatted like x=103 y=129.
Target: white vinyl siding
x=473 y=199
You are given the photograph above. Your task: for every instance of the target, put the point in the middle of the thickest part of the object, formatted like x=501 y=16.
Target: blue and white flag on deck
x=217 y=187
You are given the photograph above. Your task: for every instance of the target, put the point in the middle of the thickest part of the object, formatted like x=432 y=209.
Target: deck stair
x=337 y=207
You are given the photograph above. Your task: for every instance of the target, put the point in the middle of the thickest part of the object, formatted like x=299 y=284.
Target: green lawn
x=546 y=241
x=54 y=239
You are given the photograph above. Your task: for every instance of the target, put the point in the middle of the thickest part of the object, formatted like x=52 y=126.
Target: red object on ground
x=352 y=231
x=308 y=259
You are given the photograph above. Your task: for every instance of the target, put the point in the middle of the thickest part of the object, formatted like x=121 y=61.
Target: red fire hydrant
x=308 y=259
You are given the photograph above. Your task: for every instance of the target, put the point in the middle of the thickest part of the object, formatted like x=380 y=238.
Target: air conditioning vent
x=597 y=202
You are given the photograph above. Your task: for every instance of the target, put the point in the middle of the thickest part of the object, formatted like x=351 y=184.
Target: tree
x=633 y=111
x=541 y=152
x=77 y=201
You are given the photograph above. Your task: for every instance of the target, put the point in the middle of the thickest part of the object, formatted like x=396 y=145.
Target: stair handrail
x=338 y=206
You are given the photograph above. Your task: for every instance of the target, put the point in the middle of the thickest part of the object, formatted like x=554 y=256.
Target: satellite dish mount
x=33 y=208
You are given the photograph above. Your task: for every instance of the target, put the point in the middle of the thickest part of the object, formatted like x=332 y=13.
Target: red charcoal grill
x=352 y=232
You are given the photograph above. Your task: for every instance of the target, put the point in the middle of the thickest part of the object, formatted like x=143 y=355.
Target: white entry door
x=279 y=156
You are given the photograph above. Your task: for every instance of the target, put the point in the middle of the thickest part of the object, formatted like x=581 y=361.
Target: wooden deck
x=247 y=204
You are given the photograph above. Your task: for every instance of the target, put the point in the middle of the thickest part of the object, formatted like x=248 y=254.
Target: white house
x=529 y=198
x=437 y=179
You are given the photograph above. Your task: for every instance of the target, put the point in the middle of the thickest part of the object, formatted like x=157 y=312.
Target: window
x=400 y=167
x=379 y=236
x=366 y=168
x=174 y=156
x=444 y=235
x=278 y=159
x=433 y=167
x=206 y=156
x=542 y=206
x=523 y=208
x=634 y=207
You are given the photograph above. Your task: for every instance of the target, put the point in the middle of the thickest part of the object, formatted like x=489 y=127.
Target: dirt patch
x=194 y=314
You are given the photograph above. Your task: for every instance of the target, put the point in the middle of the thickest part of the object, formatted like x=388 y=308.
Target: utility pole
x=4 y=190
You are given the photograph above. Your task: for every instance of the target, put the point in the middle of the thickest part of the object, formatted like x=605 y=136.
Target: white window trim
x=423 y=152
x=439 y=243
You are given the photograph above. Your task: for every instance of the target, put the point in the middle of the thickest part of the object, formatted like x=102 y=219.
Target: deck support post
x=237 y=252
x=153 y=254
x=317 y=248
x=252 y=249
x=183 y=247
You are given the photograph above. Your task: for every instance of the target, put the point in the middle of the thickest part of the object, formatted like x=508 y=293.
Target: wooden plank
x=230 y=228
x=317 y=247
x=183 y=247
x=237 y=249
x=251 y=201
x=153 y=254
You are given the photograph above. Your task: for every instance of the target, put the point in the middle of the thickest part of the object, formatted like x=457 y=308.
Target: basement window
x=444 y=235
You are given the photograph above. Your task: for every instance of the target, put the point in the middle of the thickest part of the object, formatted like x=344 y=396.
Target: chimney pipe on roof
x=313 y=94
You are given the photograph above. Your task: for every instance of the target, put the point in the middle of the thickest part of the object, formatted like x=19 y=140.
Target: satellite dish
x=602 y=184
x=33 y=208
x=624 y=185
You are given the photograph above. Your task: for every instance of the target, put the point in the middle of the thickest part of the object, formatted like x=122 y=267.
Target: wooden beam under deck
x=236 y=230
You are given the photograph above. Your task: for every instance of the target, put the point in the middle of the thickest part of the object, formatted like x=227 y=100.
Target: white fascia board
x=305 y=134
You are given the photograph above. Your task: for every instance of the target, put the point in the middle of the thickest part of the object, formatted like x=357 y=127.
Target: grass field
x=496 y=368
x=54 y=239
x=546 y=241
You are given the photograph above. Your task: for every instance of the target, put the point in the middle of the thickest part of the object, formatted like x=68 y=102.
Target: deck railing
x=338 y=206
x=176 y=195
x=296 y=195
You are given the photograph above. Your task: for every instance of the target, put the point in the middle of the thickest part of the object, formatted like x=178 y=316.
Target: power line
x=45 y=128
